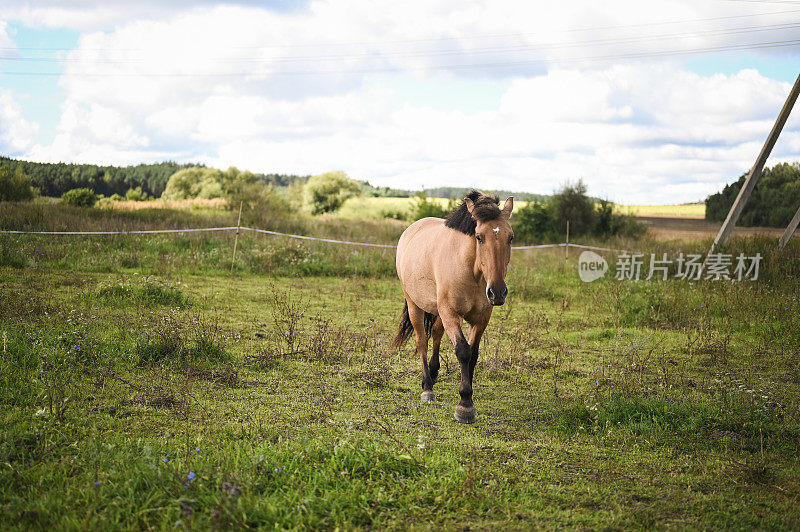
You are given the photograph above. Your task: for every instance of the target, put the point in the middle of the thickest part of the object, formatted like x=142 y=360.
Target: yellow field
x=685 y=210
x=370 y=208
x=374 y=208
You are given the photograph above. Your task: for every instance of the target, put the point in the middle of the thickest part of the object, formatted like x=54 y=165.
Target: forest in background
x=54 y=179
x=773 y=203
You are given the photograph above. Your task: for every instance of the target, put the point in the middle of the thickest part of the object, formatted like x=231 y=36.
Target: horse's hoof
x=427 y=395
x=464 y=414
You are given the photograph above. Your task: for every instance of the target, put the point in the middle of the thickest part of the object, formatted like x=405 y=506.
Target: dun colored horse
x=453 y=270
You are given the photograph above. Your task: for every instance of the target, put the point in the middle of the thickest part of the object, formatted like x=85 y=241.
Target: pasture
x=146 y=385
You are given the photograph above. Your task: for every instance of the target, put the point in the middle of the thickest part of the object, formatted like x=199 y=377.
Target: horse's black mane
x=486 y=209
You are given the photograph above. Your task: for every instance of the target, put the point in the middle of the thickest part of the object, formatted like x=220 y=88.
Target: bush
x=79 y=197
x=422 y=207
x=327 y=192
x=547 y=221
x=535 y=221
x=14 y=185
x=135 y=194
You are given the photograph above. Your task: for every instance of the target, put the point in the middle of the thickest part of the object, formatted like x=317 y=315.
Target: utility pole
x=755 y=172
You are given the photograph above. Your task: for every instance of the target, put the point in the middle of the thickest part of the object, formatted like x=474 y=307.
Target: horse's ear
x=470 y=207
x=508 y=207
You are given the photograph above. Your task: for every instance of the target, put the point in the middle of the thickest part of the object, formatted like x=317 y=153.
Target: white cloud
x=638 y=132
x=16 y=133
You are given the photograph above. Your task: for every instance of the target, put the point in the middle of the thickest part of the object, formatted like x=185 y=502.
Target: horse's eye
x=511 y=239
x=480 y=239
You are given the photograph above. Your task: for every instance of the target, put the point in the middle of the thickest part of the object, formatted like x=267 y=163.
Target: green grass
x=607 y=405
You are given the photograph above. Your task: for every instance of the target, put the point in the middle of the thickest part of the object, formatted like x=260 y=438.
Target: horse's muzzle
x=497 y=295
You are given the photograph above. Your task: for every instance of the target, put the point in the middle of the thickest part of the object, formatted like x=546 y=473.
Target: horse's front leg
x=465 y=409
x=475 y=334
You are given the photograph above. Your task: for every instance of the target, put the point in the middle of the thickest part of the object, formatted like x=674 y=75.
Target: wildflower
x=165 y=460
x=97 y=483
x=191 y=475
x=277 y=469
x=197 y=450
x=186 y=485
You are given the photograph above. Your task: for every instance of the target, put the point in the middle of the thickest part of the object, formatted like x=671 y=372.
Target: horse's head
x=493 y=237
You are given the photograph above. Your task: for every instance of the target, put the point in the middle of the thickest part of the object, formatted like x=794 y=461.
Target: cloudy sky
x=647 y=102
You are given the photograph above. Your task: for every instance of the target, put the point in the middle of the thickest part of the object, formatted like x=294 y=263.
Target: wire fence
x=277 y=233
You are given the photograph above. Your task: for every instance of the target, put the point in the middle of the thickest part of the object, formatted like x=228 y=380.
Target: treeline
x=773 y=202
x=53 y=179
x=457 y=193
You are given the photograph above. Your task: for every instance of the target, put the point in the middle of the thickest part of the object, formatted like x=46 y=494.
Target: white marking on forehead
x=496 y=229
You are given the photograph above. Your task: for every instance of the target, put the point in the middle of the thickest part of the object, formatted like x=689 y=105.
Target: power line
x=433 y=53
x=440 y=39
x=533 y=62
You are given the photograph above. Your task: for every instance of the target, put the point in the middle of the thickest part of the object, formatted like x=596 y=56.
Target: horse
x=451 y=270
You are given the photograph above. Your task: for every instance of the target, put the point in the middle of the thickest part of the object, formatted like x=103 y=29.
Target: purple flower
x=197 y=450
x=165 y=460
x=191 y=475
x=277 y=469
x=97 y=482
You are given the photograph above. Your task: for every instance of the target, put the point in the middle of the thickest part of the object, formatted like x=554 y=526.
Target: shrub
x=548 y=220
x=135 y=194
x=79 y=197
x=422 y=207
x=327 y=192
x=535 y=221
x=14 y=185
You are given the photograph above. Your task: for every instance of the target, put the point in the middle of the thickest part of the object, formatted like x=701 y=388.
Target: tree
x=327 y=192
x=135 y=194
x=194 y=182
x=14 y=185
x=79 y=197
x=572 y=204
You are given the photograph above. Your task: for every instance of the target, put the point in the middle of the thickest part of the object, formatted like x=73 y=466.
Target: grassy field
x=684 y=210
x=146 y=386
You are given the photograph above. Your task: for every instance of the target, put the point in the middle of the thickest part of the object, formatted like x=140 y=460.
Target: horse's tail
x=406 y=329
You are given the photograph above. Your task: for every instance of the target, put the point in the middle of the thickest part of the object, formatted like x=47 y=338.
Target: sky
x=646 y=102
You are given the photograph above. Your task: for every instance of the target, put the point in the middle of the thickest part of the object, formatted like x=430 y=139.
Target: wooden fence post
x=236 y=239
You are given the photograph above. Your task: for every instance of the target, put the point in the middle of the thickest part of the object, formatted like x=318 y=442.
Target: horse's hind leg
x=436 y=335
x=417 y=317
